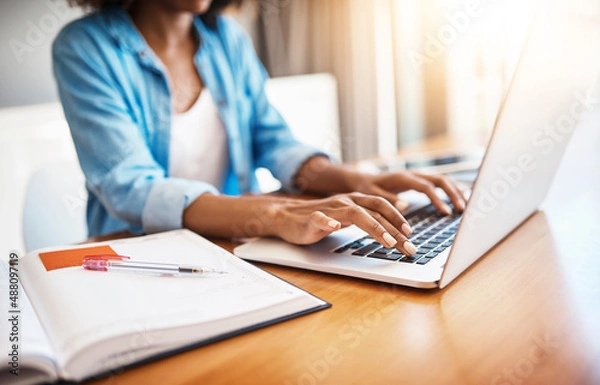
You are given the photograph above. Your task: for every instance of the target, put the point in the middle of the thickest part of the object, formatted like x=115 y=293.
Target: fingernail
x=406 y=230
x=333 y=224
x=446 y=209
x=401 y=205
x=461 y=205
x=389 y=240
x=410 y=248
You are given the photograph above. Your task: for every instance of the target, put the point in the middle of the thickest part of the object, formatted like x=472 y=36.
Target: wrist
x=275 y=212
x=272 y=212
x=356 y=181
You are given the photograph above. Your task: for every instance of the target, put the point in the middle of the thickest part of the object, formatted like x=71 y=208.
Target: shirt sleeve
x=274 y=146
x=115 y=157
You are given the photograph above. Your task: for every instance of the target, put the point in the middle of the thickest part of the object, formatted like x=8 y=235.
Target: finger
x=403 y=244
x=398 y=203
x=458 y=191
x=424 y=186
x=322 y=222
x=362 y=219
x=385 y=208
x=465 y=191
x=450 y=188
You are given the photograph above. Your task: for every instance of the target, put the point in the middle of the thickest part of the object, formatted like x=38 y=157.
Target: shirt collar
x=123 y=31
x=125 y=34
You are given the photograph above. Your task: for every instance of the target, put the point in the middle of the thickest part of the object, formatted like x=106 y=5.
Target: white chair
x=31 y=137
x=309 y=104
x=55 y=205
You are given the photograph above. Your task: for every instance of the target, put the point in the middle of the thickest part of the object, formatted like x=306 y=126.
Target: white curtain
x=385 y=101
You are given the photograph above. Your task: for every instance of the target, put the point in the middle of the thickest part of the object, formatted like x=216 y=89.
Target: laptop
x=548 y=93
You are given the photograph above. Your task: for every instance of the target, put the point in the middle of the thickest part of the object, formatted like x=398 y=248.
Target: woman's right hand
x=305 y=222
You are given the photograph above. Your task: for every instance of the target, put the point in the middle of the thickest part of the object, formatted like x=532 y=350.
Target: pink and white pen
x=125 y=264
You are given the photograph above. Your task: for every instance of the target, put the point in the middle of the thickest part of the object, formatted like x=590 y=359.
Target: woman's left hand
x=319 y=175
x=389 y=185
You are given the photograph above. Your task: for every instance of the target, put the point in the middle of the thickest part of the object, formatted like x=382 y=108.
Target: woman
x=166 y=104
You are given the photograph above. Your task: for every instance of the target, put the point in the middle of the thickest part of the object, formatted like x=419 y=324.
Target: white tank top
x=198 y=148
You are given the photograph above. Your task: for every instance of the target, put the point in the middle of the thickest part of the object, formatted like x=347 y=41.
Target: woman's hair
x=209 y=18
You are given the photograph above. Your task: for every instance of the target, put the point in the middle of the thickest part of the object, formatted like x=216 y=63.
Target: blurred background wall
x=406 y=69
x=27 y=29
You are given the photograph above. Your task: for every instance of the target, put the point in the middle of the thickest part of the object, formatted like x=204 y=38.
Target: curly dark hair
x=209 y=18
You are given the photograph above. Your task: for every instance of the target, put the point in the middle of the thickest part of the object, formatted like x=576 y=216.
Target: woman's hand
x=298 y=221
x=389 y=185
x=319 y=175
x=306 y=222
x=374 y=207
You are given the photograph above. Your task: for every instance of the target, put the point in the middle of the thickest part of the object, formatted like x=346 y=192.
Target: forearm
x=295 y=220
x=231 y=217
x=320 y=176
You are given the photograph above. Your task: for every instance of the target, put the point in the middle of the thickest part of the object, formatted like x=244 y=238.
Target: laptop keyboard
x=432 y=233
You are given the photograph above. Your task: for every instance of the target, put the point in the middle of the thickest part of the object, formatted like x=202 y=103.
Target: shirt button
x=222 y=103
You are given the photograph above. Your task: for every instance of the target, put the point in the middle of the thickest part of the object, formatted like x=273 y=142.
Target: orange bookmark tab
x=61 y=259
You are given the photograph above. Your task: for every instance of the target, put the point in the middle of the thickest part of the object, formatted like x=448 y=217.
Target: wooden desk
x=527 y=313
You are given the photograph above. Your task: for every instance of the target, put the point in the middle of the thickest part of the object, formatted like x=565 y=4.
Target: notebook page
x=80 y=307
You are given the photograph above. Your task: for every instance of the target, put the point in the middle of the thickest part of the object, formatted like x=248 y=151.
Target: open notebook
x=76 y=323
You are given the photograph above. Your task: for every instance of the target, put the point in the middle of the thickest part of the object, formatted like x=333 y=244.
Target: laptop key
x=410 y=259
x=342 y=248
x=367 y=249
x=356 y=244
x=388 y=257
x=423 y=261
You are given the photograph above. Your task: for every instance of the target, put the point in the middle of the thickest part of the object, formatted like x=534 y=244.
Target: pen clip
x=98 y=262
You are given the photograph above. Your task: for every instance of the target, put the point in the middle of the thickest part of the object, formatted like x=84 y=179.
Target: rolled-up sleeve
x=116 y=159
x=274 y=146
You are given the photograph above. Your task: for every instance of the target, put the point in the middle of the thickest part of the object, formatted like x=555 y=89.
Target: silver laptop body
x=548 y=94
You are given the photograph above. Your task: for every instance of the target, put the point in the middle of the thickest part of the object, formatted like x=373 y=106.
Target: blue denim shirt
x=116 y=99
